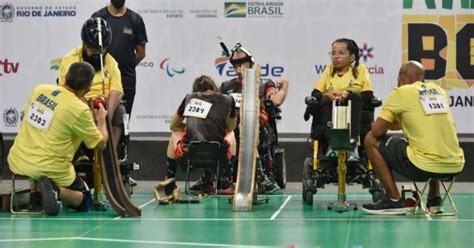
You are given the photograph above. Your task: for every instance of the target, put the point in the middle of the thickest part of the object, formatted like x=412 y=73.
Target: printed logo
x=366 y=52
x=7 y=12
x=54 y=64
x=147 y=64
x=220 y=63
x=8 y=67
x=444 y=44
x=10 y=117
x=170 y=71
x=254 y=9
x=235 y=9
x=265 y=70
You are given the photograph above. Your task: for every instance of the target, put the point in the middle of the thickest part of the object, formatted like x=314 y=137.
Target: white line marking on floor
x=146 y=204
x=281 y=208
x=406 y=218
x=36 y=239
x=140 y=207
x=135 y=241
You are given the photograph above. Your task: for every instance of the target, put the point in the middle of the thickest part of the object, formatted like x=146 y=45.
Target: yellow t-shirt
x=55 y=122
x=433 y=143
x=328 y=83
x=113 y=80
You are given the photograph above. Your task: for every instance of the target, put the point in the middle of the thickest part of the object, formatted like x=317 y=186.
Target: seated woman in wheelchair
x=343 y=80
x=204 y=115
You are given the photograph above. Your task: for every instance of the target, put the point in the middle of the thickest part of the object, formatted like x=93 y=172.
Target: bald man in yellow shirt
x=431 y=148
x=56 y=121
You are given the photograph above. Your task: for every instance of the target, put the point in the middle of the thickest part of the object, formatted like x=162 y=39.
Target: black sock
x=171 y=168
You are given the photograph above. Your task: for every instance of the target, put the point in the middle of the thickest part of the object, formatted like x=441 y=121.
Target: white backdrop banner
x=289 y=38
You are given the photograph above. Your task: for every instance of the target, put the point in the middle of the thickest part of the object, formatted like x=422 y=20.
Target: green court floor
x=284 y=222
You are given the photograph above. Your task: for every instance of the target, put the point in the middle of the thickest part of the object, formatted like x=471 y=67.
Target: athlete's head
x=241 y=59
x=410 y=72
x=203 y=84
x=94 y=41
x=344 y=53
x=79 y=76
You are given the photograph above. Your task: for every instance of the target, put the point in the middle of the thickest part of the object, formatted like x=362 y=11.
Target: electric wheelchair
x=320 y=170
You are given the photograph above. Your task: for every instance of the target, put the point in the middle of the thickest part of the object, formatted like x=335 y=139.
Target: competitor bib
x=39 y=117
x=197 y=108
x=433 y=104
x=237 y=99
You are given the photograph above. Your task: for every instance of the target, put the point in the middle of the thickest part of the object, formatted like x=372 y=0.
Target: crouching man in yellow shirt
x=55 y=123
x=431 y=148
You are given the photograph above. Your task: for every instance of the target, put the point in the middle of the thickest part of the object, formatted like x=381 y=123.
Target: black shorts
x=394 y=152
x=79 y=185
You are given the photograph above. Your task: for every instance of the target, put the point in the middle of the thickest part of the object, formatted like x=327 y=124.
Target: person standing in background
x=128 y=44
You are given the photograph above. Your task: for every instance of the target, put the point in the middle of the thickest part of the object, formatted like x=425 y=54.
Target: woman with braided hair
x=343 y=80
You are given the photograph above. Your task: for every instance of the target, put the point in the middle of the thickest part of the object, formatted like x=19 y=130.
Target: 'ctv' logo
x=165 y=65
x=8 y=67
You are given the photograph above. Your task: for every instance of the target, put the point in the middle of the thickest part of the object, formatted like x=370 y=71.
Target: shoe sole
x=393 y=211
x=436 y=210
x=49 y=201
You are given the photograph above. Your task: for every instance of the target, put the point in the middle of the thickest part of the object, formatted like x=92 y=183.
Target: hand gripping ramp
x=249 y=128
x=113 y=182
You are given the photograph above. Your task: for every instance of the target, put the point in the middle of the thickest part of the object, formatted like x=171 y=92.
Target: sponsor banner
x=289 y=39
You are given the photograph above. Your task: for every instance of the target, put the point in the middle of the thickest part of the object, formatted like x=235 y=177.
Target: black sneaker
x=434 y=205
x=386 y=206
x=203 y=186
x=49 y=196
x=35 y=202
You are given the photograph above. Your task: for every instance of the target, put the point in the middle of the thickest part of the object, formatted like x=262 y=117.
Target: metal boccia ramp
x=284 y=222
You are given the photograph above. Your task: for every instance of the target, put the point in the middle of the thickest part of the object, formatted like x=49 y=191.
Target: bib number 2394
x=197 y=108
x=39 y=117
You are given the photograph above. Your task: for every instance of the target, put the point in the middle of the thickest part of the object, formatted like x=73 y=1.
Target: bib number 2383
x=197 y=108
x=434 y=104
x=39 y=117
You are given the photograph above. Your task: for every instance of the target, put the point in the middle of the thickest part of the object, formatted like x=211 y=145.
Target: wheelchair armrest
x=310 y=101
x=376 y=102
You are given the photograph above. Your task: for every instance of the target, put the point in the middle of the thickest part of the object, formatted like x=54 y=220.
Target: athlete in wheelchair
x=344 y=82
x=107 y=85
x=271 y=169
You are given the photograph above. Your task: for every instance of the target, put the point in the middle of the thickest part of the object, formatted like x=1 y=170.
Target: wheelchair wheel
x=309 y=188
x=308 y=199
x=280 y=168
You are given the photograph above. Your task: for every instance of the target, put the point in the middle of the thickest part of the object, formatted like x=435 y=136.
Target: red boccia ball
x=98 y=100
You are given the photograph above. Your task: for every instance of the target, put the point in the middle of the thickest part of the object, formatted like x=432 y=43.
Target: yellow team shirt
x=54 y=124
x=113 y=80
x=432 y=141
x=328 y=83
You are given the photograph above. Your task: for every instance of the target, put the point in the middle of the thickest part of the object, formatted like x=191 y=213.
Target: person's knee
x=117 y=119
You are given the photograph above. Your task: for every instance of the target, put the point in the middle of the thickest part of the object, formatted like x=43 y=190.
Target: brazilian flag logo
x=235 y=9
